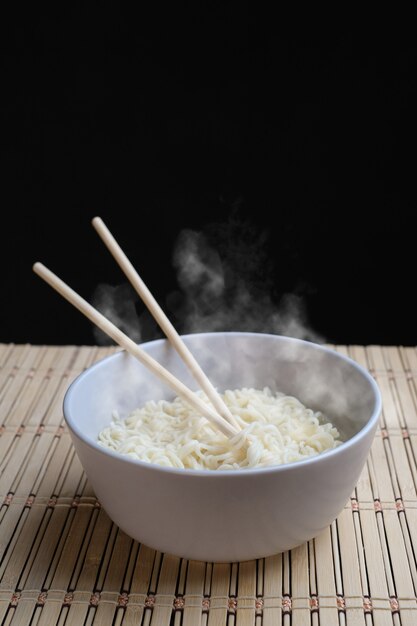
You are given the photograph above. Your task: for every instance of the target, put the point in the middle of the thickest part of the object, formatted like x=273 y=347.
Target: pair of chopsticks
x=222 y=418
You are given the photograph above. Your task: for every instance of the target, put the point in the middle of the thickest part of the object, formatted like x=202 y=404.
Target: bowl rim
x=369 y=426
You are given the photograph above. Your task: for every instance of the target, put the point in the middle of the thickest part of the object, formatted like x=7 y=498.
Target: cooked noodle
x=276 y=429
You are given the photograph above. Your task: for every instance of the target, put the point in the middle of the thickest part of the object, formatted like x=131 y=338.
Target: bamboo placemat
x=62 y=561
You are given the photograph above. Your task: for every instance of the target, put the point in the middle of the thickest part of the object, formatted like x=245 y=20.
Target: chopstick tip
x=37 y=267
x=96 y=221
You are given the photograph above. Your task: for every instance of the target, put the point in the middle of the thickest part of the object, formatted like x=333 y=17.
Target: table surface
x=63 y=561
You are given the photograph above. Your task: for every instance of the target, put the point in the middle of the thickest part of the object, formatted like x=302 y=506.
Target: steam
x=118 y=304
x=225 y=283
x=232 y=291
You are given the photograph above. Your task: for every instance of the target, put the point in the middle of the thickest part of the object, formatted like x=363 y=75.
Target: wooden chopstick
x=163 y=321
x=130 y=346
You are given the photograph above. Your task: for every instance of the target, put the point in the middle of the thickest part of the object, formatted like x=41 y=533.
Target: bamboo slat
x=409 y=358
x=62 y=561
x=193 y=599
x=219 y=592
x=326 y=579
x=246 y=600
x=300 y=580
x=272 y=590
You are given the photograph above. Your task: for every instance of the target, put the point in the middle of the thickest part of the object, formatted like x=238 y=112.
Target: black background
x=159 y=127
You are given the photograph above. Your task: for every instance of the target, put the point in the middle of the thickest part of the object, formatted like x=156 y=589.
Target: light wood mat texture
x=62 y=561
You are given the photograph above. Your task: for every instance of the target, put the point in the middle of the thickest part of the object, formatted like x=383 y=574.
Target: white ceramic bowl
x=226 y=515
